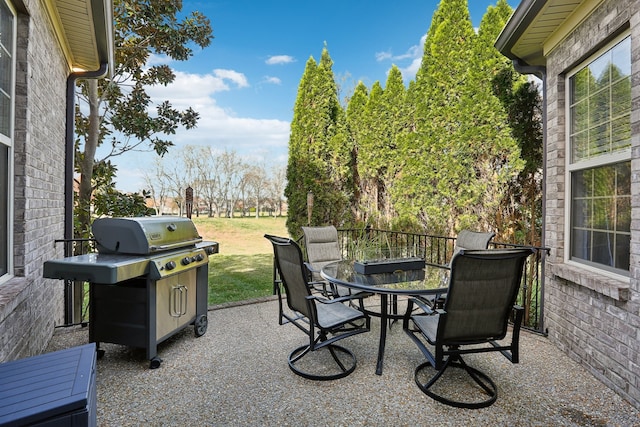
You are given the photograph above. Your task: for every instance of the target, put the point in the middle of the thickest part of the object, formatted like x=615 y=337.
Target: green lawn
x=239 y=277
x=244 y=267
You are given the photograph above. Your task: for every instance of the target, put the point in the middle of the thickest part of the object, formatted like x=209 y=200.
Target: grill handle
x=180 y=244
x=178 y=301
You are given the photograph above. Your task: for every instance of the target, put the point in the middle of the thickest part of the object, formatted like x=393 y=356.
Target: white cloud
x=238 y=78
x=272 y=80
x=280 y=59
x=155 y=59
x=413 y=55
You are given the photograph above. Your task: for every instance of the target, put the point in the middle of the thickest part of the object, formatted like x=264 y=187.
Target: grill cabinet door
x=175 y=302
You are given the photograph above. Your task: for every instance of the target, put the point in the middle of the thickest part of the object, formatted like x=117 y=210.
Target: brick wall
x=31 y=306
x=593 y=317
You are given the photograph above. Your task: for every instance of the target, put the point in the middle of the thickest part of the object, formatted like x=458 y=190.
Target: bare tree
x=192 y=164
x=277 y=184
x=232 y=180
x=257 y=185
x=209 y=173
x=221 y=181
x=157 y=184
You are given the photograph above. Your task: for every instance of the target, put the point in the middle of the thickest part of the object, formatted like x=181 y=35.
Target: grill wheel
x=200 y=325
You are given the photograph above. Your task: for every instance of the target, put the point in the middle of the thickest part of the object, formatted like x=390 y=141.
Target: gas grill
x=147 y=281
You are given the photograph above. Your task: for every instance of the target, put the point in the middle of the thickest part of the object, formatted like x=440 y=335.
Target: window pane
x=621 y=57
x=579 y=144
x=580 y=245
x=601 y=215
x=623 y=243
x=5 y=73
x=4 y=190
x=580 y=117
x=621 y=133
x=599 y=107
x=6 y=27
x=581 y=210
x=600 y=96
x=580 y=85
x=603 y=248
x=623 y=214
x=583 y=184
x=600 y=70
x=600 y=140
x=5 y=112
x=604 y=181
x=621 y=93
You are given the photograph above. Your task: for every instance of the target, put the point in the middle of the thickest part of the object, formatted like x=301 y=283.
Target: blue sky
x=244 y=84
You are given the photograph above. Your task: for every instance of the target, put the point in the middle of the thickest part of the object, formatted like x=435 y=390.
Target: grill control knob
x=198 y=257
x=170 y=265
x=186 y=260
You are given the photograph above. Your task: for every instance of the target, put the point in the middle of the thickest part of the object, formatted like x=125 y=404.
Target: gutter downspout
x=541 y=73
x=68 y=174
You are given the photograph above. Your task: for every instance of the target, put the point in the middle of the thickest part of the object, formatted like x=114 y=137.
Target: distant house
x=44 y=47
x=588 y=54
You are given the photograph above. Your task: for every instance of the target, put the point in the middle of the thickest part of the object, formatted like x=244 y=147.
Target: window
x=599 y=102
x=7 y=67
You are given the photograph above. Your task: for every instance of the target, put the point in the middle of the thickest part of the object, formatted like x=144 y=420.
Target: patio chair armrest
x=423 y=304
x=327 y=289
x=310 y=268
x=333 y=300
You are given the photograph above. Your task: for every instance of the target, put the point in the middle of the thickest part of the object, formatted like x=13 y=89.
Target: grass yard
x=244 y=267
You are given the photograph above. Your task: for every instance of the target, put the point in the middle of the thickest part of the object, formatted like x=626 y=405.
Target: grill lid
x=143 y=235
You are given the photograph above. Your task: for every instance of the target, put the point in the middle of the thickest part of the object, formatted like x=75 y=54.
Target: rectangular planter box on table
x=388 y=265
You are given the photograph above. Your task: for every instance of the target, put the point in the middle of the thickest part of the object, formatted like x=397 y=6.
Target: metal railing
x=372 y=243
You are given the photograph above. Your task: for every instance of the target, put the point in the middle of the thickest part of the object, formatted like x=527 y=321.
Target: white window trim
x=616 y=157
x=10 y=143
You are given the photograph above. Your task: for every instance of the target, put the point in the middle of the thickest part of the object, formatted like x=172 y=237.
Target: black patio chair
x=324 y=320
x=483 y=287
x=466 y=239
x=322 y=247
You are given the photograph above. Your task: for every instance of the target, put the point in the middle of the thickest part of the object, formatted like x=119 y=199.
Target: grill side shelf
x=97 y=268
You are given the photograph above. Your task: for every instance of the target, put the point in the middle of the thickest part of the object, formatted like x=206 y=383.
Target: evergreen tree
x=319 y=153
x=460 y=154
x=394 y=102
x=436 y=168
x=356 y=128
x=371 y=155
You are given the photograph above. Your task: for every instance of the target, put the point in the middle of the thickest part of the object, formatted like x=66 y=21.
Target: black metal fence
x=370 y=243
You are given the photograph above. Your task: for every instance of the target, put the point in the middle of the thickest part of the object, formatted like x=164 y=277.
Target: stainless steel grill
x=148 y=280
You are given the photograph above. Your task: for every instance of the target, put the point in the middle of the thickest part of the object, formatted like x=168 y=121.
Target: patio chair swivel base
x=480 y=378
x=330 y=362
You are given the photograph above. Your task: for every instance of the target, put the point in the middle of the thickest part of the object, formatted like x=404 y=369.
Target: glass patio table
x=427 y=281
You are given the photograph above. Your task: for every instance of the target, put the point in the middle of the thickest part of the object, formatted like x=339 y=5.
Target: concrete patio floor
x=237 y=375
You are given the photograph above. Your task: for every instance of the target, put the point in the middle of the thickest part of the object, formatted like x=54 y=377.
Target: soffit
x=538 y=26
x=85 y=31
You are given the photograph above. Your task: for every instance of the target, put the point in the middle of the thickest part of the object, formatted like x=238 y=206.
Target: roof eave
x=520 y=20
x=85 y=32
